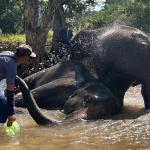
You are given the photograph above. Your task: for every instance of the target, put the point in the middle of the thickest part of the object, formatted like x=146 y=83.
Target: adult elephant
x=51 y=87
x=120 y=55
x=93 y=101
x=64 y=69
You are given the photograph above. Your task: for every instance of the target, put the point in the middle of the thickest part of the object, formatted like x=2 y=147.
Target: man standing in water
x=8 y=71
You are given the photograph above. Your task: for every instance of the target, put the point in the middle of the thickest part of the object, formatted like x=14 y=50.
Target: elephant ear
x=33 y=109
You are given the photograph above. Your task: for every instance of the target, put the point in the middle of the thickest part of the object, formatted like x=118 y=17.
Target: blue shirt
x=8 y=67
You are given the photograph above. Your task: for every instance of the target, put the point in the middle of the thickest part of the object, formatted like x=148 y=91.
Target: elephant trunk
x=31 y=105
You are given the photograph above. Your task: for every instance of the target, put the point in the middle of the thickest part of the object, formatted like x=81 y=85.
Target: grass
x=12 y=38
x=11 y=41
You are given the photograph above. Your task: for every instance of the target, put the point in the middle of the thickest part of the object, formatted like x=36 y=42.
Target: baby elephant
x=93 y=101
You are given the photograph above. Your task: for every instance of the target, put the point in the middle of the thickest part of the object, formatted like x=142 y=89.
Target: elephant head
x=93 y=101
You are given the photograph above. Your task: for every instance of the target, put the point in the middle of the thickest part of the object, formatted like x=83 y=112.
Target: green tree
x=131 y=13
x=11 y=18
x=110 y=2
x=69 y=12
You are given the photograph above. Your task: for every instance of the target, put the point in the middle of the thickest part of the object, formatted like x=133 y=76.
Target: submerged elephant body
x=53 y=86
x=64 y=69
x=50 y=95
x=94 y=101
x=121 y=56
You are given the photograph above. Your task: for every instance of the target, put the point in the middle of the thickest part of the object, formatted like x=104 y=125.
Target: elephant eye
x=73 y=95
x=87 y=99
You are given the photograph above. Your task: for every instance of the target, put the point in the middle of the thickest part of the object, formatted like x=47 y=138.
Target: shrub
x=10 y=42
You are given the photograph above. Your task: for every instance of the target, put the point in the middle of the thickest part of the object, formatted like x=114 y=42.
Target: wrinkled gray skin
x=64 y=69
x=118 y=55
x=32 y=107
x=53 y=86
x=97 y=102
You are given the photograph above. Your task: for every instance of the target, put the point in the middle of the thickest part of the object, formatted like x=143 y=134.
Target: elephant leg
x=120 y=96
x=119 y=89
x=146 y=94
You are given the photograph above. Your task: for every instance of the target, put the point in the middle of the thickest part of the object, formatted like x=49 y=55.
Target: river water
x=129 y=130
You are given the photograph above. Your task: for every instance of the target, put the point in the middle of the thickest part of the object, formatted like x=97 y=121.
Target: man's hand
x=16 y=89
x=11 y=119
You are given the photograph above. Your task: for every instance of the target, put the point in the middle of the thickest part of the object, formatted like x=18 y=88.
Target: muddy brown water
x=126 y=131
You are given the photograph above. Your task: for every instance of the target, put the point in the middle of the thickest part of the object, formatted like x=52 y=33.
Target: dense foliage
x=11 y=16
x=127 y=13
x=10 y=42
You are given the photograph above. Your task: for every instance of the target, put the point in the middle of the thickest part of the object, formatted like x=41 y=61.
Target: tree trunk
x=36 y=31
x=59 y=22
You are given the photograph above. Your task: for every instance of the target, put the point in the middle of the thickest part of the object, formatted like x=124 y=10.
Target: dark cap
x=24 y=50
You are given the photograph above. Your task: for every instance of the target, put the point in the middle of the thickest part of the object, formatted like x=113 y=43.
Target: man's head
x=24 y=53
